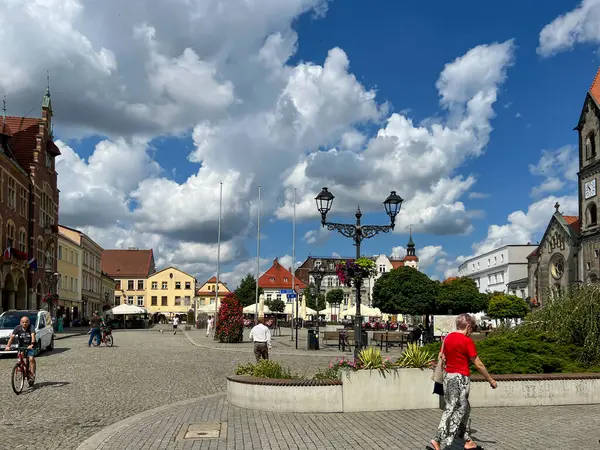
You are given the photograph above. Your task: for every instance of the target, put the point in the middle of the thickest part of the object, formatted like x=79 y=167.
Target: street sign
x=286 y=291
x=292 y=296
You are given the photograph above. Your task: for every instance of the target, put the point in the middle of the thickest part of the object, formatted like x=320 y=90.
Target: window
x=130 y=285
x=346 y=298
x=187 y=300
x=76 y=285
x=12 y=193
x=48 y=160
x=591 y=215
x=46 y=210
x=60 y=252
x=500 y=277
x=495 y=260
x=155 y=285
x=118 y=300
x=590 y=146
x=588 y=266
x=177 y=301
x=178 y=285
x=140 y=285
x=154 y=300
x=163 y=300
x=23 y=202
x=40 y=252
x=596 y=253
x=130 y=300
x=489 y=262
x=72 y=283
x=188 y=284
x=502 y=258
x=140 y=300
x=164 y=286
x=76 y=259
x=272 y=279
x=22 y=240
x=492 y=279
x=269 y=296
x=381 y=268
x=10 y=234
x=285 y=279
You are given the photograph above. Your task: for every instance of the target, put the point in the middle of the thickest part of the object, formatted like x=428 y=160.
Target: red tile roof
x=573 y=222
x=396 y=263
x=449 y=279
x=5 y=129
x=24 y=139
x=411 y=258
x=595 y=88
x=128 y=263
x=276 y=276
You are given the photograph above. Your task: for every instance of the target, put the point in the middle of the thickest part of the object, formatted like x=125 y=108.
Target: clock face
x=590 y=188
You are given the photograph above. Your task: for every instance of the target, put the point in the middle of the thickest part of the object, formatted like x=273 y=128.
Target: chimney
x=133 y=248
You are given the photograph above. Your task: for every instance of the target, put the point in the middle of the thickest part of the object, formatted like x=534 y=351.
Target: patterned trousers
x=456 y=419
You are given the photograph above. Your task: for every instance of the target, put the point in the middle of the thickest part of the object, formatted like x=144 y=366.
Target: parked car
x=41 y=320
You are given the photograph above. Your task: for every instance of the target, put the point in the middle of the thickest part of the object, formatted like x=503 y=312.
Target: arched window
x=10 y=234
x=40 y=252
x=591 y=215
x=590 y=146
x=50 y=256
x=22 y=240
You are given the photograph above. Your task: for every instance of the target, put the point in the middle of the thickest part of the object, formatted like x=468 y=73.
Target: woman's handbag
x=438 y=374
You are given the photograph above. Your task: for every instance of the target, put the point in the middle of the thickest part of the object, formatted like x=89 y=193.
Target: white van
x=41 y=320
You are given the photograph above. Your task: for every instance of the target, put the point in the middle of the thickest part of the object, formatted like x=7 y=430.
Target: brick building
x=28 y=209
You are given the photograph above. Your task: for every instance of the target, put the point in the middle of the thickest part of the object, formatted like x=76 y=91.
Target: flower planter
x=372 y=390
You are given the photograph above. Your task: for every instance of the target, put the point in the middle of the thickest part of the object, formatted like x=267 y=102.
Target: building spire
x=47 y=101
x=410 y=247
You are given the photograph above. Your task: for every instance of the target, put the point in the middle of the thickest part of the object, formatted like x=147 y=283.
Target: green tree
x=335 y=297
x=276 y=305
x=246 y=291
x=314 y=300
x=504 y=306
x=405 y=291
x=460 y=295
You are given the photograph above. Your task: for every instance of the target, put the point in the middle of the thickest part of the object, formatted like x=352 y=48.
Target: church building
x=569 y=251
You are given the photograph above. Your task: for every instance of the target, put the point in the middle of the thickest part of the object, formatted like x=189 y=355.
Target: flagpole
x=257 y=256
x=294 y=265
x=218 y=257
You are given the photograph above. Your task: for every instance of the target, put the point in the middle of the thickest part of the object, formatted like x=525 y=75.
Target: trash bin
x=313 y=340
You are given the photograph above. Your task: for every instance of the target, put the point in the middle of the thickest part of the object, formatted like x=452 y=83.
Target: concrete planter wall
x=372 y=390
x=406 y=389
x=305 y=396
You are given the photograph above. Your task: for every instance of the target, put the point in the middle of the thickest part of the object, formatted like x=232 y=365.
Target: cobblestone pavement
x=541 y=428
x=98 y=393
x=80 y=390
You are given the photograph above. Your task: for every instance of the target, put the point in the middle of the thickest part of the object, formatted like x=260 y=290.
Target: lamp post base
x=358 y=343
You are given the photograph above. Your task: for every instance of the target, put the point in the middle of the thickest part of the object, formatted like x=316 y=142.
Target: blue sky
x=466 y=109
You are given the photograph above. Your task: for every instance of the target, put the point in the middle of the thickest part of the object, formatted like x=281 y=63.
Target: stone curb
x=93 y=442
x=274 y=351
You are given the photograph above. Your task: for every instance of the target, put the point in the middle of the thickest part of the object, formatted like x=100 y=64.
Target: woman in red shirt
x=458 y=351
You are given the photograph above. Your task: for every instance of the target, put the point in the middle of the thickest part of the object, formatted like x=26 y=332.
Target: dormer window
x=48 y=160
x=272 y=279
x=590 y=146
x=285 y=279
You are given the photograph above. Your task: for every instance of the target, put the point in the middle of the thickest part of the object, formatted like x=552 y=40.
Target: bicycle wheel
x=97 y=341
x=109 y=341
x=18 y=379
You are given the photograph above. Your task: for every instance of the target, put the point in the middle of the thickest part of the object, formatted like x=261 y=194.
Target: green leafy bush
x=265 y=368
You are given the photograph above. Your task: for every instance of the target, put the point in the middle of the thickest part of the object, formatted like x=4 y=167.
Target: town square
x=299 y=224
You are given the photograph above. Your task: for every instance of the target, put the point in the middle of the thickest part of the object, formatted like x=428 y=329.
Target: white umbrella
x=122 y=310
x=364 y=311
x=251 y=309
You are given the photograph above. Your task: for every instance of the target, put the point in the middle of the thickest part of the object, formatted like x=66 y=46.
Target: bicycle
x=105 y=338
x=21 y=371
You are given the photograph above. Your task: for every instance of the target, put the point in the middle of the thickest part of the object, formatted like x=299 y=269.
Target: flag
x=7 y=252
x=33 y=264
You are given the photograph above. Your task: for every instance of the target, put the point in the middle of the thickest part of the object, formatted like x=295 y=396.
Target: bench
x=390 y=338
x=331 y=336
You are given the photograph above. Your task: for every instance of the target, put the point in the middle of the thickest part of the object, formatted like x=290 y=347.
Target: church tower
x=411 y=259
x=588 y=129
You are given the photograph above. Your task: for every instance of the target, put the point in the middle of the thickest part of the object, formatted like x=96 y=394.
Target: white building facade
x=494 y=271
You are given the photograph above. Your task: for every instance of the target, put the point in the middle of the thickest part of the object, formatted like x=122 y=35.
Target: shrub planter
x=544 y=389
x=372 y=390
x=302 y=396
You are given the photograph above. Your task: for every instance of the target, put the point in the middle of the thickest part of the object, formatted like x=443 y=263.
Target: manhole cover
x=204 y=430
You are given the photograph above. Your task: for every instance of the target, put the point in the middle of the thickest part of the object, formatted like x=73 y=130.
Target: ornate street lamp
x=318 y=273
x=357 y=233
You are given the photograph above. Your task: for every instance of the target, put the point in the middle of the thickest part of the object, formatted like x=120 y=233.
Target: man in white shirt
x=175 y=323
x=261 y=335
x=209 y=325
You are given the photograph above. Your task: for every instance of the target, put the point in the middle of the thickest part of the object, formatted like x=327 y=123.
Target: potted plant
x=352 y=272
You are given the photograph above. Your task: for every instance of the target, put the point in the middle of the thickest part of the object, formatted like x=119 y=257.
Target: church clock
x=590 y=188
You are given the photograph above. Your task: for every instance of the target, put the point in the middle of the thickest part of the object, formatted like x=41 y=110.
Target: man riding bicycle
x=25 y=334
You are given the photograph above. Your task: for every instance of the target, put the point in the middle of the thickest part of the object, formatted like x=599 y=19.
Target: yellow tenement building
x=169 y=292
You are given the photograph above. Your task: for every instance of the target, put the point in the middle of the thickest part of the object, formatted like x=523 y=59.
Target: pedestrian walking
x=209 y=325
x=261 y=335
x=175 y=323
x=95 y=324
x=457 y=352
